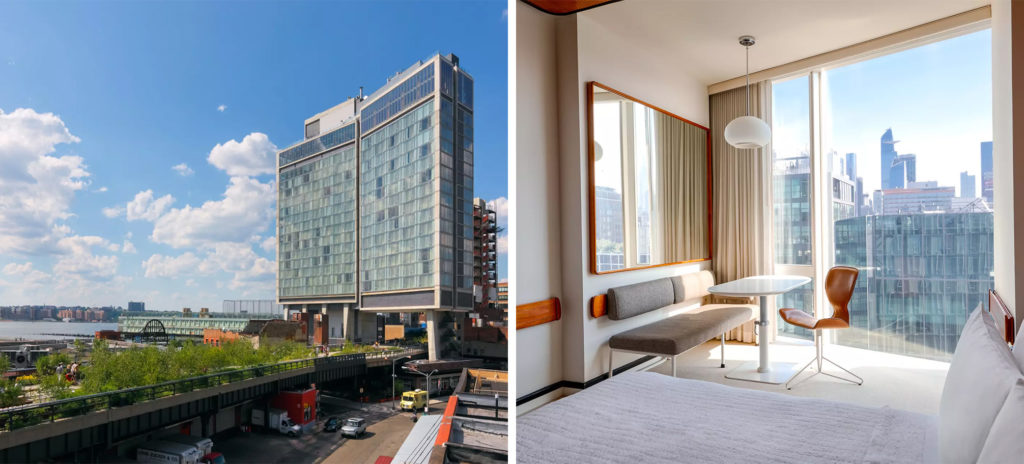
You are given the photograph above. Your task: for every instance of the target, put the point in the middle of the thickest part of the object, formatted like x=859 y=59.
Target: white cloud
x=101 y=190
x=168 y=266
x=36 y=187
x=113 y=211
x=30 y=278
x=253 y=156
x=144 y=207
x=248 y=270
x=269 y=243
x=183 y=170
x=128 y=247
x=78 y=263
x=245 y=210
x=17 y=269
x=221 y=108
x=503 y=244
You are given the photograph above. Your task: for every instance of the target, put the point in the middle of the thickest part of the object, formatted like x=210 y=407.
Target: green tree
x=47 y=365
x=55 y=388
x=10 y=393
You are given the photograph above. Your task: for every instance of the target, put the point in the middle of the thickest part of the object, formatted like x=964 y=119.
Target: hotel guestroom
x=781 y=231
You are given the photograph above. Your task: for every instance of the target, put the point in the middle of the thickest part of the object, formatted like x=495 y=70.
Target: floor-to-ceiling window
x=898 y=151
x=791 y=192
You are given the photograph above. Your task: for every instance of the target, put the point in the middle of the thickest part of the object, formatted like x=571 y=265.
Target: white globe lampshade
x=748 y=132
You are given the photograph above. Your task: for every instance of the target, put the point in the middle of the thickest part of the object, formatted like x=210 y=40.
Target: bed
x=646 y=417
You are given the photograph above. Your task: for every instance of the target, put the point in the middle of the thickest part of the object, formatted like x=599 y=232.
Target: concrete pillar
x=346 y=322
x=433 y=346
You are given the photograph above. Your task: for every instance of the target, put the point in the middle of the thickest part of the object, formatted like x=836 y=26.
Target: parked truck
x=166 y=452
x=204 y=445
x=277 y=420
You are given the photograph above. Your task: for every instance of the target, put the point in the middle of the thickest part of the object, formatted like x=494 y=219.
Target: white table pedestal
x=763 y=370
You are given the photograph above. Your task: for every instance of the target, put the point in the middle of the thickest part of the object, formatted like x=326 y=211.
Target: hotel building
x=375 y=207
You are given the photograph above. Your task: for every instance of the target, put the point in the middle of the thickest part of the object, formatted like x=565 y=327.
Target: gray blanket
x=645 y=417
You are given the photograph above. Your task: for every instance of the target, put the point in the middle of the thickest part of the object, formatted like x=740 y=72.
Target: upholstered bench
x=674 y=335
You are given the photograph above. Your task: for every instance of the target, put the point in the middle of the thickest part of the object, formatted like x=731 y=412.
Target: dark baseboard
x=578 y=385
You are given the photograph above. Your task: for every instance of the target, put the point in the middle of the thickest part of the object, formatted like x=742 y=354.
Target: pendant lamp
x=747 y=131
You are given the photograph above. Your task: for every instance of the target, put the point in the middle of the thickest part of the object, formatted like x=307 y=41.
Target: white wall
x=538 y=266
x=587 y=51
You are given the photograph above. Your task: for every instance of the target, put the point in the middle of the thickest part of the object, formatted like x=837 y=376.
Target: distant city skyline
x=943 y=128
x=133 y=167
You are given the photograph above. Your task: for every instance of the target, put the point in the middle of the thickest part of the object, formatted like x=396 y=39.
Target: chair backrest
x=839 y=284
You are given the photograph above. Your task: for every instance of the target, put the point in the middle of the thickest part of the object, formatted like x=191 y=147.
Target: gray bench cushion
x=692 y=286
x=633 y=300
x=679 y=333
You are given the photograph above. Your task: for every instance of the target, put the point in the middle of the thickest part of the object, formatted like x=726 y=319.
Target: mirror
x=649 y=185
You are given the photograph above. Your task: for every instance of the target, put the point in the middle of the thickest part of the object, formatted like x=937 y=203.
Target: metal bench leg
x=673 y=366
x=611 y=367
x=723 y=350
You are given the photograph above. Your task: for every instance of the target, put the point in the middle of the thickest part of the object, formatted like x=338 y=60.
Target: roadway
x=385 y=433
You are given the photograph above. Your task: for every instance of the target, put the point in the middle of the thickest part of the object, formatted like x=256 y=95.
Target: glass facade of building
x=329 y=140
x=391 y=226
x=921 y=276
x=792 y=209
x=397 y=216
x=317 y=225
x=404 y=95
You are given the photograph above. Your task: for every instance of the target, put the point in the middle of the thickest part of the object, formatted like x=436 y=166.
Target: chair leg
x=802 y=369
x=723 y=350
x=859 y=380
x=611 y=366
x=819 y=357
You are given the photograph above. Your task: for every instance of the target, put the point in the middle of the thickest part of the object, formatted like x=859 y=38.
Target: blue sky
x=936 y=98
x=136 y=139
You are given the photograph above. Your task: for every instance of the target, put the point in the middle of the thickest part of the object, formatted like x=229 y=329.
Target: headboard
x=999 y=310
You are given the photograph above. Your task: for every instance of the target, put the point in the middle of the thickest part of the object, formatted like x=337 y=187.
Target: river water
x=35 y=330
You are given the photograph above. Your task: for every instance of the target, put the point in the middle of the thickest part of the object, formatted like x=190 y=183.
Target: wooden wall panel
x=541 y=312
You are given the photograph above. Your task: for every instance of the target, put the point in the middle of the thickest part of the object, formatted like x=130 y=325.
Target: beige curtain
x=741 y=198
x=682 y=172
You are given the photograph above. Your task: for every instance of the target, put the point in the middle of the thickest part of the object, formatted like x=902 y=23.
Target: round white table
x=763 y=370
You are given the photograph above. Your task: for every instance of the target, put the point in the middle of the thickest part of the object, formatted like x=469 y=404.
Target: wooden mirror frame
x=592 y=219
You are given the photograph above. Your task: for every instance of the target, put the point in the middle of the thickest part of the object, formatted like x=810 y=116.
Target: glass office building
x=921 y=276
x=375 y=205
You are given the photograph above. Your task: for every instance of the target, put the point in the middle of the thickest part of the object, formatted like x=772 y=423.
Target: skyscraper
x=986 y=172
x=851 y=165
x=888 y=150
x=375 y=206
x=967 y=185
x=903 y=171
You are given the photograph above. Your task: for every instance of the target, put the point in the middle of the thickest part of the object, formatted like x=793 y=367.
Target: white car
x=354 y=427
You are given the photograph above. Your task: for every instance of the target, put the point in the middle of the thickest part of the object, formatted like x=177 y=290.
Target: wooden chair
x=839 y=285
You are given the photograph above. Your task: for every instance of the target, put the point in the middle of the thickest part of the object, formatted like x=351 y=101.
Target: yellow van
x=413 y=400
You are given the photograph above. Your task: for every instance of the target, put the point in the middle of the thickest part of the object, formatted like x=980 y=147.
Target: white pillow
x=979 y=379
x=1004 y=442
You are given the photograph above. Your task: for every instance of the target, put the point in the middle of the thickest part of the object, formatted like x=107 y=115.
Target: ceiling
x=706 y=32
